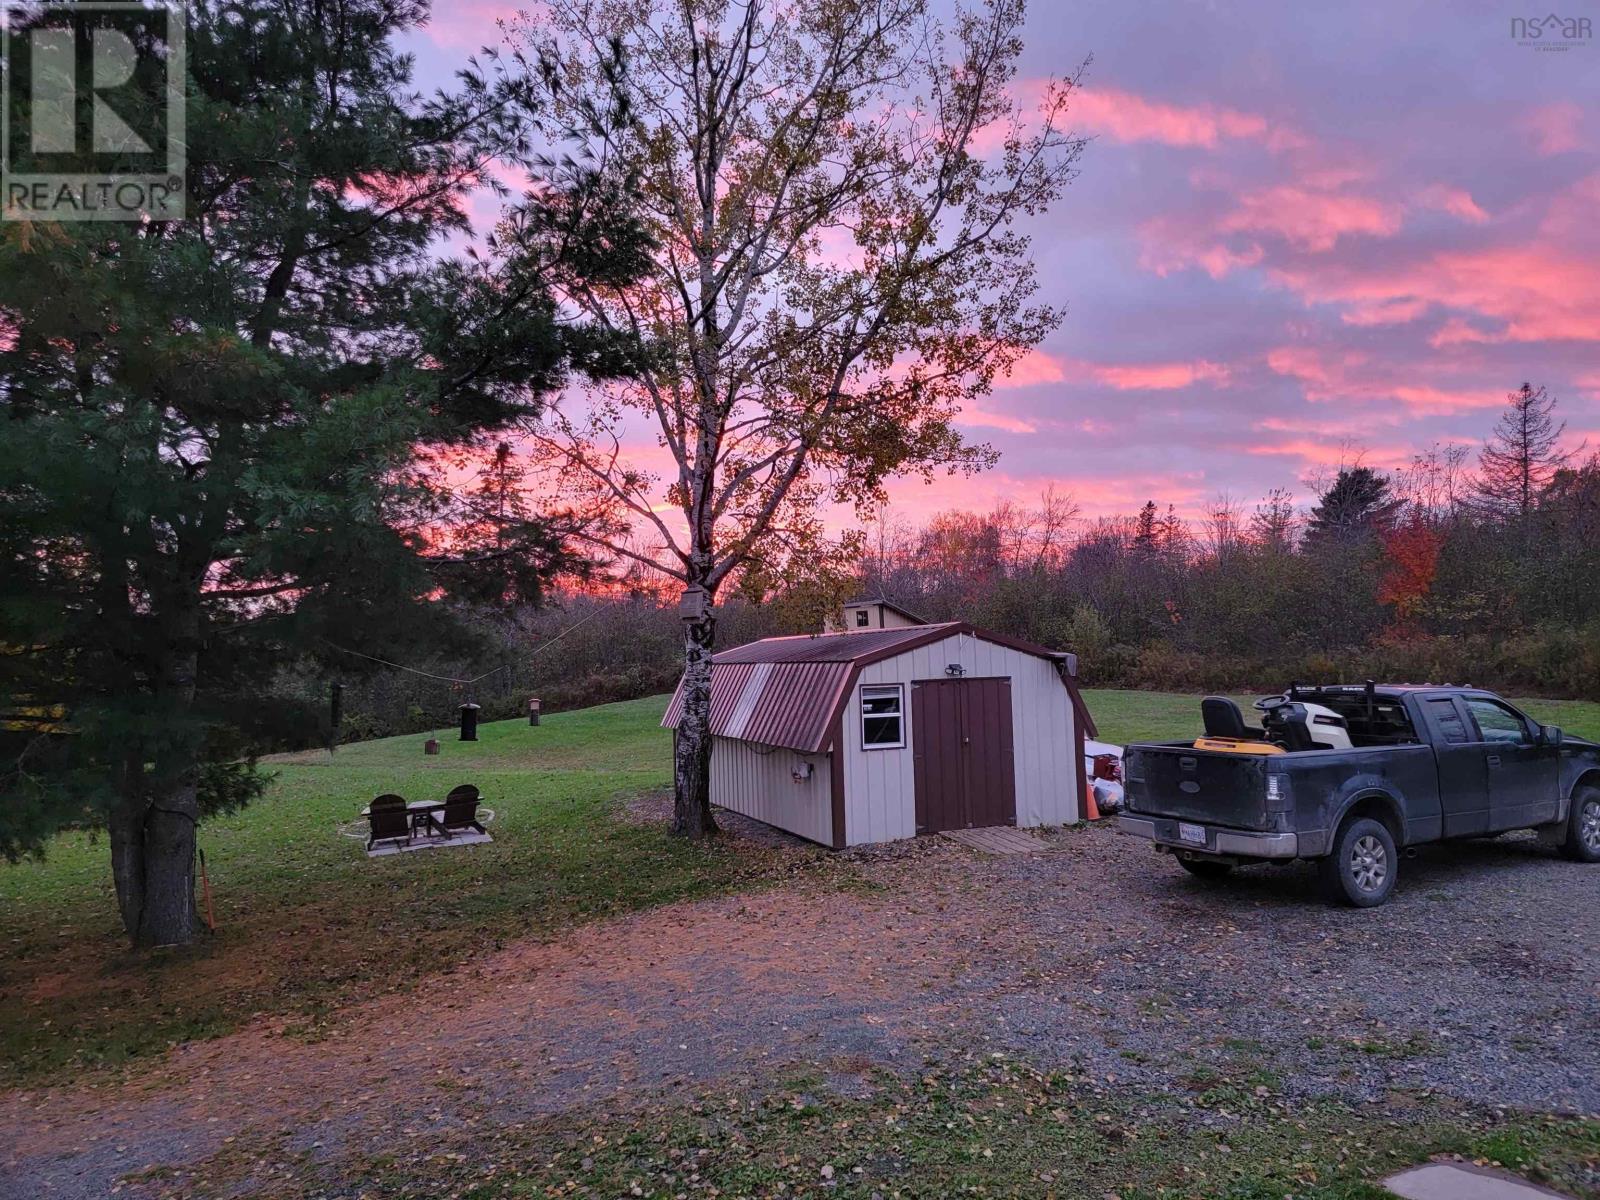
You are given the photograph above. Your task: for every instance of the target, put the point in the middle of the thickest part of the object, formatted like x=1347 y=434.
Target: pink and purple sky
x=1302 y=234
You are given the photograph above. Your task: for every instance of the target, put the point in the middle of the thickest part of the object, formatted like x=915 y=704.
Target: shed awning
x=788 y=704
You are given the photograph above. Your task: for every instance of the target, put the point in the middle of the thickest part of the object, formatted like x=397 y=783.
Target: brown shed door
x=961 y=738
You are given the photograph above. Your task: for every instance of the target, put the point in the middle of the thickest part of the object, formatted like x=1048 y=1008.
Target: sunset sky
x=1302 y=233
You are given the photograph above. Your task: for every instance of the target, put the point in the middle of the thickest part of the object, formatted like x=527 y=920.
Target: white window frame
x=880 y=691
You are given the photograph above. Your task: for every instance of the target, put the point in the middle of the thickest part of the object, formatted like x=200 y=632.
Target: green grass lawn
x=306 y=922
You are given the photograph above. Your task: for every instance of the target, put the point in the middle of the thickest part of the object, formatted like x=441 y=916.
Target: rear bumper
x=1163 y=831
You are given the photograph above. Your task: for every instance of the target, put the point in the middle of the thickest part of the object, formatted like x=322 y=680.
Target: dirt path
x=1481 y=978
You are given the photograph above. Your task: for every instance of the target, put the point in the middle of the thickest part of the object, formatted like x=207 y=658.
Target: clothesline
x=452 y=678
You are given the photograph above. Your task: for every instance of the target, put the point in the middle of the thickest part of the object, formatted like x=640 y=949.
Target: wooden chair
x=460 y=811
x=389 y=819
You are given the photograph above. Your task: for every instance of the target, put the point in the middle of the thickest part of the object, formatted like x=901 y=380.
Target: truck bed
x=1299 y=792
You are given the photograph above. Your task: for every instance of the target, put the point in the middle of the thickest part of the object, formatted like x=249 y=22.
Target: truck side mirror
x=1550 y=735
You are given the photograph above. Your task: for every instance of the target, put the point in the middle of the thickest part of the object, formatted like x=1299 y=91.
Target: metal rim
x=1589 y=825
x=1369 y=863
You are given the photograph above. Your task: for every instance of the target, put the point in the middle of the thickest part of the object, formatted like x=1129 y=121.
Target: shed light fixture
x=955 y=670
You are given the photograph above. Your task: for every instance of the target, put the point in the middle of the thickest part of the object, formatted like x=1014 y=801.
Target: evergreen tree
x=1147 y=530
x=210 y=459
x=1358 y=502
x=1520 y=458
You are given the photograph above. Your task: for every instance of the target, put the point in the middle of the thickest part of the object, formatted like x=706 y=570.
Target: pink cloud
x=1160 y=376
x=1324 y=453
x=1538 y=292
x=1033 y=368
x=1331 y=375
x=1129 y=117
x=1458 y=202
x=1309 y=219
x=1555 y=127
x=981 y=419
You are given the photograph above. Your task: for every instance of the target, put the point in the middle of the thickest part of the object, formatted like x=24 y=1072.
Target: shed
x=881 y=734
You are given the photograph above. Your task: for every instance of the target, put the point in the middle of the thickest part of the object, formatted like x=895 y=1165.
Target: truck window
x=1496 y=722
x=1443 y=711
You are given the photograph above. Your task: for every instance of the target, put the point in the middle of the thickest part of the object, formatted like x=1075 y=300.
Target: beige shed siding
x=758 y=782
x=880 y=789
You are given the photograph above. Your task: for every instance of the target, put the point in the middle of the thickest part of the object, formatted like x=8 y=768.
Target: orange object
x=1236 y=746
x=1091 y=810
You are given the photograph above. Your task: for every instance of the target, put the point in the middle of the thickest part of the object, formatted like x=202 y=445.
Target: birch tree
x=838 y=193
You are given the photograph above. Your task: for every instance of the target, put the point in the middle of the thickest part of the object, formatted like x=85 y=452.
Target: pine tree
x=1147 y=530
x=211 y=425
x=1520 y=457
x=1358 y=502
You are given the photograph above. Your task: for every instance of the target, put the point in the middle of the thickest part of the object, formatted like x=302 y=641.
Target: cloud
x=1311 y=220
x=1555 y=128
x=1033 y=368
x=1458 y=202
x=1160 y=376
x=1329 y=374
x=981 y=419
x=1128 y=117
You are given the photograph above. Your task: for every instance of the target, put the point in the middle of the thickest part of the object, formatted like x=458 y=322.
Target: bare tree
x=836 y=192
x=1520 y=456
x=1274 y=525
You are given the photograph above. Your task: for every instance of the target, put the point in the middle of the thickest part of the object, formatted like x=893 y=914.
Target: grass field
x=306 y=923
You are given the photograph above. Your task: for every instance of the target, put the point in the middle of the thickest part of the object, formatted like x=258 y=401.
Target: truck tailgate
x=1198 y=785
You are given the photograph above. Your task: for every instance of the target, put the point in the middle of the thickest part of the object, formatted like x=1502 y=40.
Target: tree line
x=1463 y=566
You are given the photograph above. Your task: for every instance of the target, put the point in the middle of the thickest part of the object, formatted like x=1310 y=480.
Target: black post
x=335 y=713
x=533 y=710
x=469 y=722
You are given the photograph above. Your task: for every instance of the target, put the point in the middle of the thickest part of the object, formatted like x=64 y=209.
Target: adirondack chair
x=460 y=811
x=389 y=819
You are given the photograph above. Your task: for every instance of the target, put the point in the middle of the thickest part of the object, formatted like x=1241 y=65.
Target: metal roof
x=788 y=691
x=835 y=647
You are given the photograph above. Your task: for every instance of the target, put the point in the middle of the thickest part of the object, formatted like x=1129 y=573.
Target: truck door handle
x=1494 y=760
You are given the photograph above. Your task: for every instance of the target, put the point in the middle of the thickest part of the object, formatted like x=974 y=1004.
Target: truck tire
x=1204 y=868
x=1361 y=870
x=1582 y=840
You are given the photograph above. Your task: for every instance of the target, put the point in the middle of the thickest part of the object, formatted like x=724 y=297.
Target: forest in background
x=1471 y=564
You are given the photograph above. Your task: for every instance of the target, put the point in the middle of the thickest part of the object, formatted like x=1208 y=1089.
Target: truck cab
x=1350 y=775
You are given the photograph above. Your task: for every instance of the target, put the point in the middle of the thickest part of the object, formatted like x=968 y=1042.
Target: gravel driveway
x=1480 y=979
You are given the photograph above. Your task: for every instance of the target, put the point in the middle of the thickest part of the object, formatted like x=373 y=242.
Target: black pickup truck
x=1351 y=775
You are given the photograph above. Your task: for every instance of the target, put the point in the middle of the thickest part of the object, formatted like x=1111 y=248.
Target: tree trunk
x=691 y=779
x=127 y=859
x=153 y=829
x=169 y=917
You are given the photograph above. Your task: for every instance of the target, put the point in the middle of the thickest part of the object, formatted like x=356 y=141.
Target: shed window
x=862 y=618
x=882 y=718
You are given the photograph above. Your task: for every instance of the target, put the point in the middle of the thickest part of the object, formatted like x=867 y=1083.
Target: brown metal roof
x=788 y=691
x=836 y=647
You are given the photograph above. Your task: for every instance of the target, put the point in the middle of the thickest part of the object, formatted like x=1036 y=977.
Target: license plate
x=1193 y=834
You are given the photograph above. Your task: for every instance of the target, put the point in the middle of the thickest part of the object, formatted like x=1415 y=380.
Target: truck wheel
x=1361 y=869
x=1204 y=868
x=1582 y=842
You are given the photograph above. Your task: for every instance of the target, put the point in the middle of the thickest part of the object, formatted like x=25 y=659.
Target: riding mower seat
x=1223 y=718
